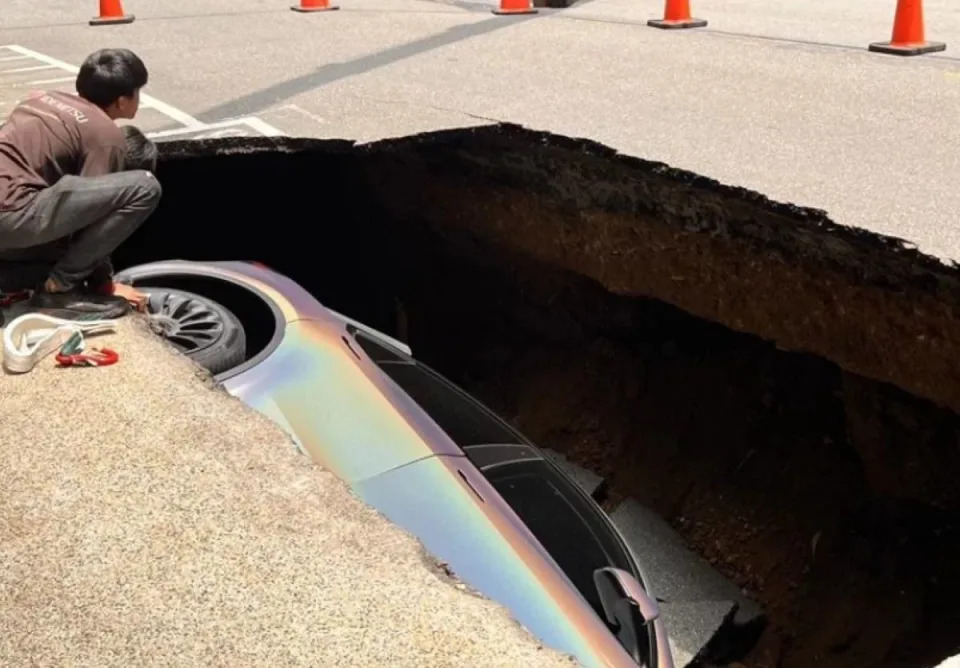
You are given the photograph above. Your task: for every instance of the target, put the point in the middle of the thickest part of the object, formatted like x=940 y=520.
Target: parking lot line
x=41 y=82
x=173 y=113
x=237 y=127
x=20 y=68
x=32 y=68
x=262 y=126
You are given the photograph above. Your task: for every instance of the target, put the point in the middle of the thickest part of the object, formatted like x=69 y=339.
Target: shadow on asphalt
x=327 y=74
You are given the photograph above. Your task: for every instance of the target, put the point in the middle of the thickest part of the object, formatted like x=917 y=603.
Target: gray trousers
x=69 y=230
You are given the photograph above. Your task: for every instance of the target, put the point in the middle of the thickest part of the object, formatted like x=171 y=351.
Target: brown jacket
x=50 y=135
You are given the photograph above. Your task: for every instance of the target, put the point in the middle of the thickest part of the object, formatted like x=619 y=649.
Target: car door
x=568 y=524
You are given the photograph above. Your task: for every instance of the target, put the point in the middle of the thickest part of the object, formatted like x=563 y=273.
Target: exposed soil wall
x=757 y=456
x=729 y=255
x=637 y=318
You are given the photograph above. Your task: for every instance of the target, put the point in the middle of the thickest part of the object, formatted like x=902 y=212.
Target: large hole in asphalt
x=638 y=319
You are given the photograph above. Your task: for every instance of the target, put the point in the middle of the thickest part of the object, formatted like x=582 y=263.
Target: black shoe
x=79 y=305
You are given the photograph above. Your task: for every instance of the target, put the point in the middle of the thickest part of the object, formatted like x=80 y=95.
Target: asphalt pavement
x=782 y=98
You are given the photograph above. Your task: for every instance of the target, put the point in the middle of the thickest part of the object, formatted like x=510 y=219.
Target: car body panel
x=355 y=427
x=350 y=418
x=489 y=549
x=291 y=300
x=344 y=419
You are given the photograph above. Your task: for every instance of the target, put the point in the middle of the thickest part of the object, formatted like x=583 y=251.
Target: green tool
x=73 y=345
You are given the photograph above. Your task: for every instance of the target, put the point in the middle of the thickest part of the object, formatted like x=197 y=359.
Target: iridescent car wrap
x=347 y=415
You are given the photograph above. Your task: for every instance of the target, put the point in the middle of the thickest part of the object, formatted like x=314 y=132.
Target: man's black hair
x=109 y=74
x=141 y=152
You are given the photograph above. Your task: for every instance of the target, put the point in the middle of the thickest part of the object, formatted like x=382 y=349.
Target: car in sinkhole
x=508 y=518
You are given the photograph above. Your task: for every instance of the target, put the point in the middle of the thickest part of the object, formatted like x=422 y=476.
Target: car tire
x=202 y=329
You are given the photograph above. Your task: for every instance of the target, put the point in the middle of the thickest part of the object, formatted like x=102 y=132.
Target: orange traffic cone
x=111 y=11
x=314 y=6
x=676 y=15
x=513 y=7
x=908 y=38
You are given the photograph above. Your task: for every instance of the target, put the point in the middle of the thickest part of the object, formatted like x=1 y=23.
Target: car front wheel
x=199 y=327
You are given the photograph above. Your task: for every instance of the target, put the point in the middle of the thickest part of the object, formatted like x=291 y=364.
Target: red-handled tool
x=96 y=357
x=72 y=354
x=10 y=298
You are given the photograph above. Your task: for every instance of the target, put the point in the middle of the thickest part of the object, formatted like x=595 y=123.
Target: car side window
x=564 y=523
x=568 y=525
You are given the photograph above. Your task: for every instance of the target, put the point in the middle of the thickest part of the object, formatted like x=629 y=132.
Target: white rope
x=32 y=336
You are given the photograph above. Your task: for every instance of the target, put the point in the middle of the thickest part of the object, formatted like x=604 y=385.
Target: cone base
x=110 y=20
x=308 y=10
x=907 y=49
x=513 y=12
x=664 y=24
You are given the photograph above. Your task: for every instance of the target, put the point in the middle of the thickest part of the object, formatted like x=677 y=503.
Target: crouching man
x=65 y=185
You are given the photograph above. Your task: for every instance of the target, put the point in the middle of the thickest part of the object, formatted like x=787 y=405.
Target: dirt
x=838 y=302
x=825 y=493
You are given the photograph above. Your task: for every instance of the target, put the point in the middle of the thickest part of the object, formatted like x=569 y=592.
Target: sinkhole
x=782 y=389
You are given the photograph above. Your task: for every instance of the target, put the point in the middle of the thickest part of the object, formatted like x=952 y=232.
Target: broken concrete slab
x=691 y=626
x=676 y=573
x=149 y=518
x=706 y=615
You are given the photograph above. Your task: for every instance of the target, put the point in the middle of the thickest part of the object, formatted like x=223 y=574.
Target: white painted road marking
x=263 y=127
x=33 y=68
x=13 y=79
x=249 y=126
x=172 y=112
x=42 y=82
